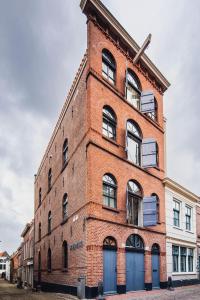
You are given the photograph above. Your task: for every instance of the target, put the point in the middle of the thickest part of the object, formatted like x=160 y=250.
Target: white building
x=3 y=258
x=181 y=237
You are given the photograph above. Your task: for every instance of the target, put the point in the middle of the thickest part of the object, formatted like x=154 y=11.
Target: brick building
x=99 y=196
x=14 y=265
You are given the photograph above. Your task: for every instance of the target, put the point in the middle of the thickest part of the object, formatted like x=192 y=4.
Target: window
x=108 y=66
x=153 y=114
x=175 y=257
x=110 y=243
x=190 y=260
x=39 y=231
x=109 y=191
x=49 y=260
x=134 y=142
x=49 y=222
x=40 y=196
x=176 y=211
x=65 y=255
x=133 y=89
x=109 y=123
x=65 y=205
x=188 y=215
x=134 y=202
x=135 y=241
x=65 y=153
x=49 y=179
x=183 y=259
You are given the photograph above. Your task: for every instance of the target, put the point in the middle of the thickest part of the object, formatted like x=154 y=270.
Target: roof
x=173 y=185
x=96 y=5
x=27 y=228
x=4 y=254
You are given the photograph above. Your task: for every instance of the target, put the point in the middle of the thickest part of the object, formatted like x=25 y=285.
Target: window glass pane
x=133 y=151
x=132 y=80
x=133 y=97
x=132 y=128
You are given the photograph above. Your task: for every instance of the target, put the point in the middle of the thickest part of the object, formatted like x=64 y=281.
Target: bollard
x=170 y=284
x=100 y=291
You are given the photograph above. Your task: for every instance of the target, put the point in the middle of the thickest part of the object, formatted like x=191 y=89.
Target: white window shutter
x=149 y=211
x=149 y=153
x=147 y=102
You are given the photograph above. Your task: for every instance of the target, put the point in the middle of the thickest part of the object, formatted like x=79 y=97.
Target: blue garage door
x=134 y=263
x=110 y=266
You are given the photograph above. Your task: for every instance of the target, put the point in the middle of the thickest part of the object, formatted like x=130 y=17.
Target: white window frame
x=180 y=213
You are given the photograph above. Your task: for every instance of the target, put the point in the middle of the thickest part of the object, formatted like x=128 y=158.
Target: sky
x=42 y=44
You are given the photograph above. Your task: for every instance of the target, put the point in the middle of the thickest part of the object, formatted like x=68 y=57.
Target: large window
x=65 y=255
x=133 y=89
x=134 y=203
x=182 y=259
x=134 y=142
x=65 y=153
x=65 y=207
x=176 y=213
x=49 y=222
x=109 y=191
x=188 y=214
x=49 y=179
x=108 y=66
x=109 y=123
x=49 y=260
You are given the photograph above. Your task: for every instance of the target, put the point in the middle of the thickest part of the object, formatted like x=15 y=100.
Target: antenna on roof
x=142 y=49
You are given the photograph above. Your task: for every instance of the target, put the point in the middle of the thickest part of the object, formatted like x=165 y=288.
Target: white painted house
x=4 y=268
x=181 y=237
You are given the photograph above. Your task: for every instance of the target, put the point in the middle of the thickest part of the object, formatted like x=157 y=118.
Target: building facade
x=14 y=265
x=181 y=234
x=99 y=194
x=4 y=264
x=27 y=250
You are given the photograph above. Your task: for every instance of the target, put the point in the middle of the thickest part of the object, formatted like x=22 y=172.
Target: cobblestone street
x=9 y=291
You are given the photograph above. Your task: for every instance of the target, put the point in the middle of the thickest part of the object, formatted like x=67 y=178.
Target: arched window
x=40 y=196
x=65 y=153
x=157 y=207
x=108 y=66
x=49 y=179
x=155 y=249
x=49 y=222
x=109 y=123
x=39 y=231
x=65 y=206
x=135 y=241
x=65 y=255
x=133 y=89
x=49 y=260
x=109 y=191
x=134 y=203
x=110 y=243
x=134 y=142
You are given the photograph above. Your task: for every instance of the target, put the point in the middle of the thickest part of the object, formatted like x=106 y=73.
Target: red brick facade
x=90 y=156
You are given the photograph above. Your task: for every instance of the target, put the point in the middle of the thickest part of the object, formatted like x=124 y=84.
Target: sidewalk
x=191 y=292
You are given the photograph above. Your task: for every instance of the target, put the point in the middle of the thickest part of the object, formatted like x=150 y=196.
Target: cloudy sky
x=41 y=46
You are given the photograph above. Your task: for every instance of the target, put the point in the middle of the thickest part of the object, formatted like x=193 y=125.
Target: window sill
x=64 y=221
x=64 y=270
x=183 y=273
x=189 y=231
x=63 y=167
x=110 y=208
x=175 y=227
x=110 y=140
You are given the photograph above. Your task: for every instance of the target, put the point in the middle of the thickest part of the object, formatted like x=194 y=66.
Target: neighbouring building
x=198 y=236
x=181 y=233
x=14 y=265
x=99 y=194
x=4 y=266
x=20 y=262
x=27 y=250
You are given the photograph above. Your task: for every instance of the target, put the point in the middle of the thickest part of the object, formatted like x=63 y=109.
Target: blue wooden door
x=110 y=271
x=134 y=271
x=155 y=271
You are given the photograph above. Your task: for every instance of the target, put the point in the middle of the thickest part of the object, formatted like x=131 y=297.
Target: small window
x=134 y=142
x=190 y=259
x=188 y=215
x=175 y=256
x=39 y=232
x=49 y=179
x=65 y=152
x=183 y=258
x=135 y=241
x=65 y=255
x=49 y=260
x=49 y=222
x=65 y=207
x=109 y=191
x=176 y=212
x=133 y=89
x=109 y=123
x=110 y=243
x=40 y=196
x=108 y=66
x=134 y=202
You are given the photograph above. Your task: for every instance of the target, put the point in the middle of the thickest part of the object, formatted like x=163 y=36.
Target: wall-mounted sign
x=76 y=245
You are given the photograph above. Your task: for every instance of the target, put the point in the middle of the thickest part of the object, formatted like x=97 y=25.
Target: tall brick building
x=99 y=196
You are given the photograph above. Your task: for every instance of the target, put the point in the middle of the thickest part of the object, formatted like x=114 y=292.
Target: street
x=9 y=291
